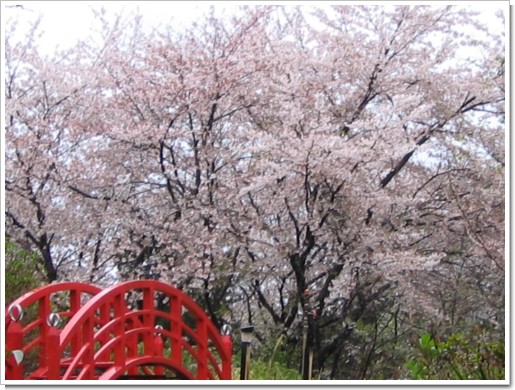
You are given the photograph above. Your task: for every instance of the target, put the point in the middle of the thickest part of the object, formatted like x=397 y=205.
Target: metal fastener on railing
x=18 y=356
x=19 y=311
x=226 y=330
x=54 y=320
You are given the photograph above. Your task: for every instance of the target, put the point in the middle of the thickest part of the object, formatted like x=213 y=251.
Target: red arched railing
x=164 y=334
x=27 y=324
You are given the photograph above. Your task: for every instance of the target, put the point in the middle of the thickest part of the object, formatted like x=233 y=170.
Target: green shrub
x=457 y=358
x=21 y=273
x=266 y=370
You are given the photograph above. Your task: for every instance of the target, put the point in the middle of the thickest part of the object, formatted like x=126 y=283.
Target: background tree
x=346 y=162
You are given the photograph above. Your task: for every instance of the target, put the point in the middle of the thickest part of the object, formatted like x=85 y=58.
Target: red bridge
x=78 y=331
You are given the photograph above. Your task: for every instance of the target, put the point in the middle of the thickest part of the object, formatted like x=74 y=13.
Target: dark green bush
x=21 y=272
x=459 y=357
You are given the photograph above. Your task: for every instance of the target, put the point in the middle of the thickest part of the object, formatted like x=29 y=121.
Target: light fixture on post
x=246 y=339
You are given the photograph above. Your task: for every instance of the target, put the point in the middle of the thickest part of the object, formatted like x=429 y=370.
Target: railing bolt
x=15 y=312
x=54 y=320
x=226 y=330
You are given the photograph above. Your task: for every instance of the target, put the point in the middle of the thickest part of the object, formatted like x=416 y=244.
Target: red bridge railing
x=78 y=331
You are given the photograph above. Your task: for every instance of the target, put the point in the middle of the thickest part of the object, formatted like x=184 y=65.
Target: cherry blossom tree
x=278 y=163
x=43 y=109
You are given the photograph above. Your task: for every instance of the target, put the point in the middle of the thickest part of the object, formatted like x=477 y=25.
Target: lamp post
x=307 y=339
x=246 y=338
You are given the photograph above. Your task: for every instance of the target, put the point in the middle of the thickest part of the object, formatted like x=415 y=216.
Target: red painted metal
x=13 y=343
x=104 y=338
x=29 y=333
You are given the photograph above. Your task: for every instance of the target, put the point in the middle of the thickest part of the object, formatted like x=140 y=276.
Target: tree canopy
x=346 y=161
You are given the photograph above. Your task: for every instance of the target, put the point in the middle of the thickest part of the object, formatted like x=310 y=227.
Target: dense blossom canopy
x=356 y=152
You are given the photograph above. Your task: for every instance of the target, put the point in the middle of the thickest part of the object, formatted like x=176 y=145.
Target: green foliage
x=272 y=371
x=275 y=359
x=21 y=273
x=267 y=370
x=377 y=349
x=260 y=369
x=457 y=358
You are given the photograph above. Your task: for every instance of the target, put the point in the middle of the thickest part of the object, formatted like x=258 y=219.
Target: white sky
x=63 y=22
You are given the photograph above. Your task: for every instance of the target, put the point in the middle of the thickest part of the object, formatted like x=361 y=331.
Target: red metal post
x=176 y=330
x=158 y=351
x=14 y=342
x=43 y=313
x=53 y=360
x=202 y=348
x=88 y=359
x=74 y=308
x=226 y=360
x=119 y=311
x=103 y=318
x=148 y=321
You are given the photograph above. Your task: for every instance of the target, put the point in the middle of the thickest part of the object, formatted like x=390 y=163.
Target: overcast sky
x=63 y=22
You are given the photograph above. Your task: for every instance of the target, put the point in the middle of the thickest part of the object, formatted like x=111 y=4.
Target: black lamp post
x=246 y=338
x=307 y=339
